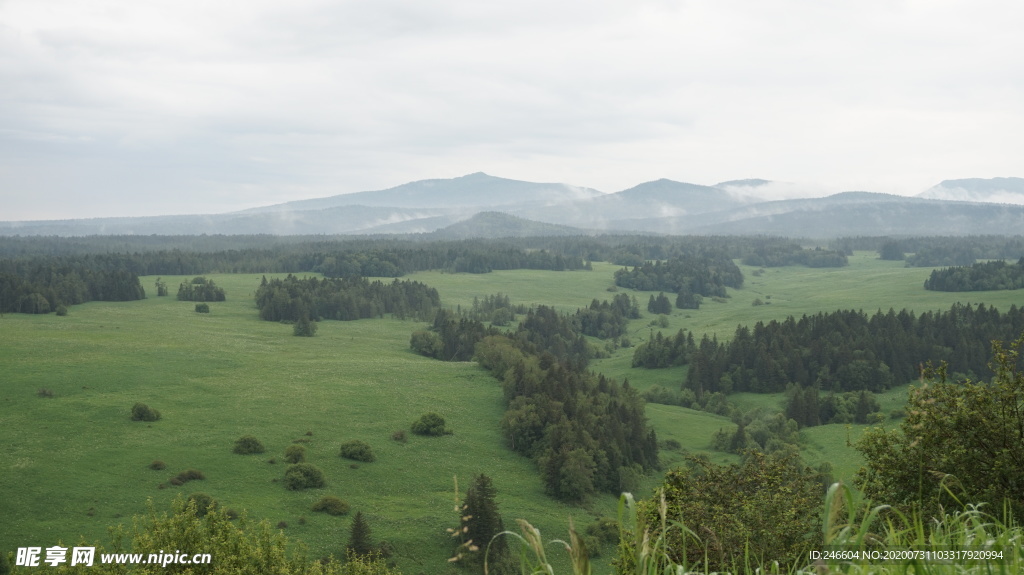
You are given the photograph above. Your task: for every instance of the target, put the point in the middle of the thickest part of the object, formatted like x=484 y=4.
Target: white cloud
x=140 y=108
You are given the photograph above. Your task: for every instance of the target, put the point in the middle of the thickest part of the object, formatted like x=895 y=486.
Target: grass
x=74 y=463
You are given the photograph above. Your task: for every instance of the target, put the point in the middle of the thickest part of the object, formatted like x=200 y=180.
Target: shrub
x=186 y=476
x=331 y=505
x=202 y=308
x=399 y=436
x=157 y=465
x=62 y=310
x=143 y=412
x=248 y=445
x=203 y=502
x=357 y=450
x=44 y=392
x=430 y=424
x=304 y=476
x=295 y=454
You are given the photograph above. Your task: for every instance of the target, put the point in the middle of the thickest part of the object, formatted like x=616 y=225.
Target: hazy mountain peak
x=989 y=190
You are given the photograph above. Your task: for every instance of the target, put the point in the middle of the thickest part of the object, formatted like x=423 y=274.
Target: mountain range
x=480 y=205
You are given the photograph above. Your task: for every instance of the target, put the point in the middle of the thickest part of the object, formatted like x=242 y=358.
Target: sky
x=115 y=108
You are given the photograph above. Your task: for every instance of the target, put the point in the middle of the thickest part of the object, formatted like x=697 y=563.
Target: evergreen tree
x=481 y=522
x=359 y=542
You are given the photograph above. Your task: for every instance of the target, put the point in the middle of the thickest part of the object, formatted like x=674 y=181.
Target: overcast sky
x=114 y=108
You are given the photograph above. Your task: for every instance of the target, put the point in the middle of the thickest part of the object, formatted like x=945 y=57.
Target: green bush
x=248 y=445
x=295 y=454
x=62 y=310
x=143 y=412
x=202 y=308
x=331 y=505
x=357 y=450
x=186 y=476
x=203 y=502
x=157 y=465
x=430 y=424
x=304 y=476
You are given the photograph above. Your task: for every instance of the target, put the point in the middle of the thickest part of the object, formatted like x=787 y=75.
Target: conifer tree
x=359 y=542
x=481 y=522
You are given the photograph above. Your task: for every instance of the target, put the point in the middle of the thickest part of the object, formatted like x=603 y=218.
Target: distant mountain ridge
x=992 y=190
x=479 y=205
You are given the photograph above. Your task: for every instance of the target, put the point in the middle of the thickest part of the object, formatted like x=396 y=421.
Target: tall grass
x=857 y=536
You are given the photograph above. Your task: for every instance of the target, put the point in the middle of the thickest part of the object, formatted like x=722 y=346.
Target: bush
x=399 y=436
x=203 y=502
x=157 y=465
x=143 y=412
x=45 y=392
x=304 y=476
x=62 y=310
x=331 y=505
x=357 y=450
x=295 y=454
x=767 y=508
x=202 y=308
x=248 y=445
x=186 y=476
x=430 y=424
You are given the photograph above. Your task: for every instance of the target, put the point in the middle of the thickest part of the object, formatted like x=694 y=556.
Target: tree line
x=982 y=276
x=290 y=299
x=936 y=251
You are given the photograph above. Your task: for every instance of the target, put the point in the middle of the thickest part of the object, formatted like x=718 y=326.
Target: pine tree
x=481 y=522
x=359 y=542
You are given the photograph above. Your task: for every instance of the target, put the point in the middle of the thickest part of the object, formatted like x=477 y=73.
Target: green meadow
x=74 y=463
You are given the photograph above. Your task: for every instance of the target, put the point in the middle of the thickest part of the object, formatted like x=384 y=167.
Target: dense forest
x=44 y=284
x=978 y=277
x=842 y=351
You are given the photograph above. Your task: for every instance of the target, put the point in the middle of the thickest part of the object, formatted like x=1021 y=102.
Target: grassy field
x=73 y=464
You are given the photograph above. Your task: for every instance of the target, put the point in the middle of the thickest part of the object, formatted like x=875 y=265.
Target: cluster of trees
x=807 y=408
x=200 y=289
x=778 y=254
x=586 y=433
x=450 y=337
x=840 y=351
x=42 y=284
x=994 y=275
x=607 y=319
x=660 y=304
x=706 y=275
x=291 y=299
x=660 y=351
x=494 y=309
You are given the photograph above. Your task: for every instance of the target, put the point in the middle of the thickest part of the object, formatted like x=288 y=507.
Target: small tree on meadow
x=359 y=542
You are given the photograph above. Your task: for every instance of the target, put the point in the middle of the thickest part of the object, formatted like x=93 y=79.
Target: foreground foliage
x=961 y=440
x=236 y=547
